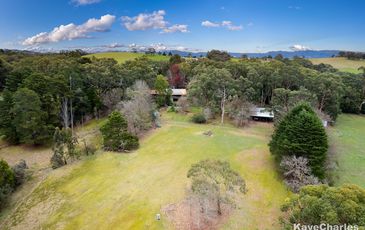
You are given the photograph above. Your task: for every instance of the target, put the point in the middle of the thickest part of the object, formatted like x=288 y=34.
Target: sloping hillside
x=125 y=56
x=113 y=191
x=342 y=64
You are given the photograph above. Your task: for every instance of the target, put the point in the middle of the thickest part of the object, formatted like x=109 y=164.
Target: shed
x=176 y=93
x=262 y=114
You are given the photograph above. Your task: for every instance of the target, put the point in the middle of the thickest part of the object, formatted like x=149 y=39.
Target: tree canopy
x=301 y=133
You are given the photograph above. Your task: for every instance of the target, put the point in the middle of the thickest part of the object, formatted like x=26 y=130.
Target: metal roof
x=261 y=112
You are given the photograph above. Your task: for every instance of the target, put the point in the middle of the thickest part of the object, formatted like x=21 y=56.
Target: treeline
x=352 y=55
x=40 y=92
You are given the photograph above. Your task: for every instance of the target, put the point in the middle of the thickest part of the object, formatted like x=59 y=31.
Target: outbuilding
x=261 y=114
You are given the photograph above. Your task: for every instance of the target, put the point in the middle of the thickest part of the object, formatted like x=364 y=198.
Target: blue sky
x=238 y=26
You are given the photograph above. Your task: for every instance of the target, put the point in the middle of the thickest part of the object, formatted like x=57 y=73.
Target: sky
x=187 y=25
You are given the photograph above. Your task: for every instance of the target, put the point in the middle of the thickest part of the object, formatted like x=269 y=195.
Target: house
x=261 y=114
x=176 y=93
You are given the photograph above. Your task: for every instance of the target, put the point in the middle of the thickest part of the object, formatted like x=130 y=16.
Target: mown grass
x=343 y=64
x=347 y=138
x=122 y=57
x=125 y=191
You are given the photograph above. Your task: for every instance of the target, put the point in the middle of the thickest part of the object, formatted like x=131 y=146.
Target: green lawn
x=125 y=56
x=340 y=63
x=125 y=191
x=348 y=140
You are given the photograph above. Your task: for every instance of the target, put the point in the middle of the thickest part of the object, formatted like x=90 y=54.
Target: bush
x=183 y=105
x=301 y=132
x=64 y=148
x=297 y=173
x=171 y=109
x=7 y=182
x=115 y=134
x=57 y=160
x=20 y=172
x=129 y=141
x=316 y=204
x=199 y=119
x=89 y=149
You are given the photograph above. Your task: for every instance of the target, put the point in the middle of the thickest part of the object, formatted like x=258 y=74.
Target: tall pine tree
x=301 y=133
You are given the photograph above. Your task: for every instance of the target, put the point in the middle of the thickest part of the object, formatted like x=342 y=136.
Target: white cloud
x=176 y=28
x=161 y=47
x=210 y=24
x=230 y=26
x=72 y=31
x=145 y=21
x=299 y=48
x=86 y=2
x=295 y=7
x=155 y=20
x=114 y=45
x=226 y=24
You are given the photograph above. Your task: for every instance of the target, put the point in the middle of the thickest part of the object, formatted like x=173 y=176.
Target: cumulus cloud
x=145 y=21
x=114 y=45
x=155 y=20
x=210 y=24
x=299 y=48
x=86 y=2
x=230 y=26
x=161 y=47
x=72 y=31
x=226 y=24
x=176 y=28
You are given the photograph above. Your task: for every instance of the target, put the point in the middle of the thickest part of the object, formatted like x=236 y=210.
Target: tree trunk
x=223 y=101
x=64 y=113
x=219 y=210
x=321 y=104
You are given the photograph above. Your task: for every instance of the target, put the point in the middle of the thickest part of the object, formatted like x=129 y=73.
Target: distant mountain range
x=286 y=54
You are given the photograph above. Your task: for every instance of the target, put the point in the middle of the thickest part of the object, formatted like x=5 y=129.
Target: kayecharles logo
x=325 y=227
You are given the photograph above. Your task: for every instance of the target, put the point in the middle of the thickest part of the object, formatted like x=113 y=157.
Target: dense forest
x=40 y=92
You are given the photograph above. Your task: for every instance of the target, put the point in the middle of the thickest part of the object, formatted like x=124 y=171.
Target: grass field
x=340 y=63
x=125 y=56
x=348 y=139
x=125 y=191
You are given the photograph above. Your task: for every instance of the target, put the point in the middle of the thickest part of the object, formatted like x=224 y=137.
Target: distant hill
x=125 y=56
x=286 y=54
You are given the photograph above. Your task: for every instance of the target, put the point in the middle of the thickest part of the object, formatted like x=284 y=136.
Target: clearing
x=347 y=137
x=343 y=64
x=114 y=191
x=126 y=56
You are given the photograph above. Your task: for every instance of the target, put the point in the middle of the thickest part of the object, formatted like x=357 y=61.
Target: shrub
x=89 y=149
x=316 y=204
x=7 y=182
x=297 y=173
x=215 y=182
x=115 y=134
x=20 y=172
x=6 y=175
x=129 y=141
x=183 y=105
x=171 y=109
x=199 y=119
x=301 y=132
x=64 y=147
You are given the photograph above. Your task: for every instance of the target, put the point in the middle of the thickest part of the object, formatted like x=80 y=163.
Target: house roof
x=178 y=92
x=175 y=92
x=261 y=112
